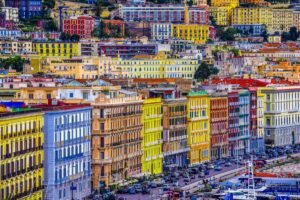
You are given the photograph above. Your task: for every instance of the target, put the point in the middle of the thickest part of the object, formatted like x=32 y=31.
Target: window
x=102 y=142
x=268 y=132
x=101 y=155
x=30 y=96
x=71 y=95
x=102 y=126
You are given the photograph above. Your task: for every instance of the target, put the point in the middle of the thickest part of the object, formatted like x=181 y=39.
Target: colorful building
x=10 y=47
x=253 y=15
x=81 y=25
x=175 y=149
x=36 y=95
x=21 y=151
x=228 y=3
x=198 y=127
x=284 y=70
x=116 y=139
x=233 y=122
x=196 y=33
x=222 y=15
x=10 y=13
x=27 y=8
x=243 y=139
x=281 y=117
x=218 y=125
x=283 y=20
x=161 y=31
x=260 y=125
x=152 y=159
x=67 y=150
x=163 y=13
x=56 y=49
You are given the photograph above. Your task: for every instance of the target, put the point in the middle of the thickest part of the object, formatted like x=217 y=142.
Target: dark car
x=145 y=191
x=218 y=168
x=131 y=190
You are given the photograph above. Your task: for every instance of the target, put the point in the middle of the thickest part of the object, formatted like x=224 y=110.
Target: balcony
x=102 y=161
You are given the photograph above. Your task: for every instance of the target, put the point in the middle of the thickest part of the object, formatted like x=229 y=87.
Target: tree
x=204 y=71
x=229 y=34
x=293 y=34
x=213 y=21
x=15 y=62
x=51 y=26
x=65 y=36
x=75 y=38
x=99 y=7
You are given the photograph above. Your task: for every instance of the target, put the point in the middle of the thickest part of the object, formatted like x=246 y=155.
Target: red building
x=233 y=121
x=82 y=26
x=219 y=125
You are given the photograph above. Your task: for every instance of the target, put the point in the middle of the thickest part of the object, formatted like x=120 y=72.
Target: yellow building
x=283 y=20
x=253 y=15
x=230 y=3
x=152 y=136
x=198 y=127
x=157 y=67
x=56 y=49
x=35 y=95
x=77 y=68
x=22 y=156
x=193 y=32
x=221 y=14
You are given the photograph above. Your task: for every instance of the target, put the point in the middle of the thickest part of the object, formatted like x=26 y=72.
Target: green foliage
x=213 y=21
x=49 y=4
x=15 y=62
x=50 y=26
x=113 y=31
x=204 y=71
x=229 y=34
x=67 y=37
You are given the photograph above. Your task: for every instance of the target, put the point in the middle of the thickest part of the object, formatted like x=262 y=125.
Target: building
x=81 y=25
x=27 y=8
x=251 y=29
x=67 y=149
x=198 y=127
x=243 y=138
x=163 y=13
x=228 y=3
x=36 y=94
x=282 y=122
x=5 y=33
x=161 y=31
x=196 y=33
x=283 y=20
x=19 y=47
x=10 y=13
x=175 y=149
x=218 y=125
x=284 y=70
x=253 y=15
x=126 y=50
x=233 y=122
x=222 y=15
x=117 y=139
x=259 y=144
x=56 y=49
x=44 y=35
x=21 y=151
x=76 y=68
x=152 y=159
x=2 y=20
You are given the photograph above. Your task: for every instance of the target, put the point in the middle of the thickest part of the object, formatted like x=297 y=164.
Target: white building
x=11 y=13
x=161 y=31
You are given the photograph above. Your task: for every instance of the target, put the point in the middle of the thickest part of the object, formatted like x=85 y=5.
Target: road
x=154 y=193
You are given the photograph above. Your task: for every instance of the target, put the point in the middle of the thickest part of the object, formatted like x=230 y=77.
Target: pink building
x=45 y=35
x=82 y=26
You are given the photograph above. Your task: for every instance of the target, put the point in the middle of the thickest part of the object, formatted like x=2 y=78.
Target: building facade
x=233 y=122
x=161 y=31
x=22 y=155
x=56 y=49
x=218 y=125
x=282 y=121
x=198 y=127
x=67 y=151
x=196 y=33
x=175 y=149
x=152 y=159
x=11 y=13
x=27 y=8
x=81 y=25
x=116 y=139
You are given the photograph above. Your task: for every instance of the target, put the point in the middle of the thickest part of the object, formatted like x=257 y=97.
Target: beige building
x=11 y=13
x=282 y=20
x=15 y=47
x=116 y=139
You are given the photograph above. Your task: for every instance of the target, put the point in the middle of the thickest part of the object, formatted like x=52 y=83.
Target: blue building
x=243 y=142
x=10 y=33
x=90 y=1
x=250 y=29
x=27 y=8
x=67 y=149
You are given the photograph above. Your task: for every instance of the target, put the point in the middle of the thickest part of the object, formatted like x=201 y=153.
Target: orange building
x=284 y=70
x=116 y=139
x=218 y=125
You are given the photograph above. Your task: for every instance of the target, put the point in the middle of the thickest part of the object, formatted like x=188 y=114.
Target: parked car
x=138 y=188
x=145 y=191
x=218 y=168
x=131 y=190
x=227 y=164
x=210 y=166
x=166 y=187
